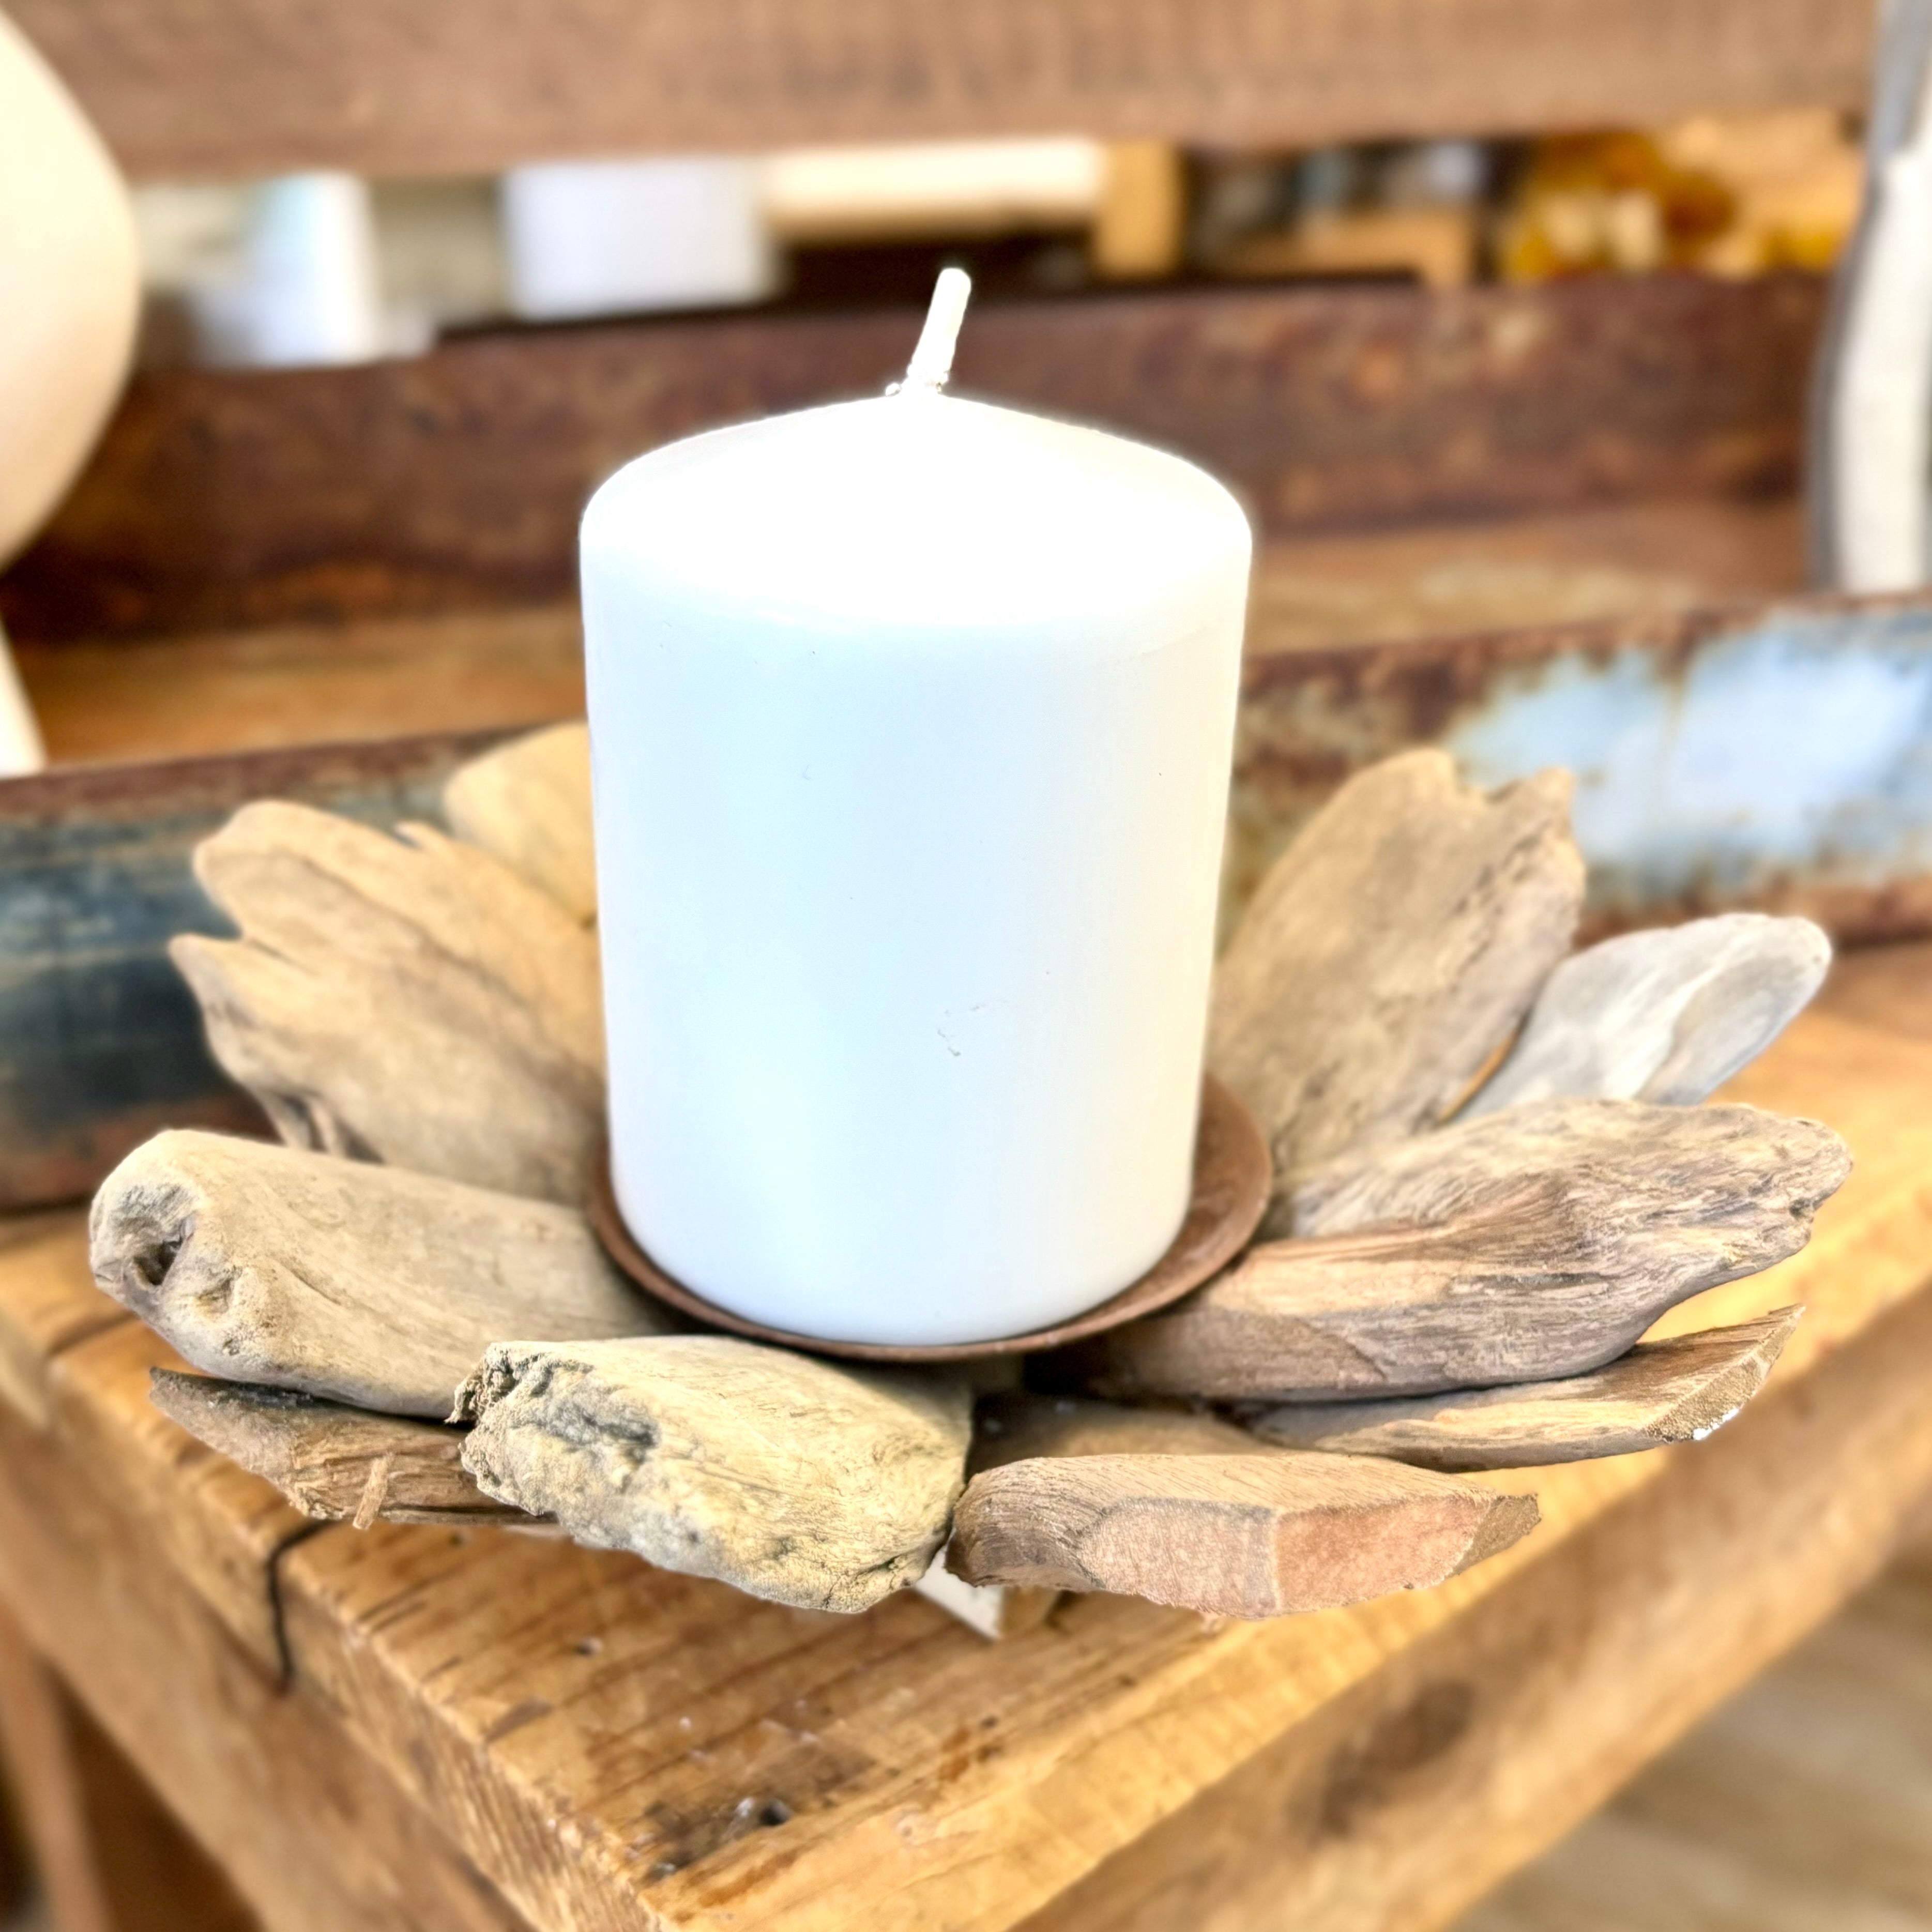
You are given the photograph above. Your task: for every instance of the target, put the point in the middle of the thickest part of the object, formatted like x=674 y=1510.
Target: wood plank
x=261 y=86
x=221 y=499
x=1378 y=1765
x=1643 y=559
x=108 y=1858
x=219 y=1528
x=41 y=1766
x=103 y=1042
x=315 y=1837
x=1803 y=1805
x=76 y=1369
x=283 y=686
x=48 y=1302
x=1403 y=1802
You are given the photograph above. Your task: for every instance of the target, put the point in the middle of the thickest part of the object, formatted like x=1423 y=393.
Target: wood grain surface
x=1668 y=1015
x=222 y=499
x=1379 y=1765
x=107 y=1854
x=51 y=1303
x=527 y=804
x=218 y=1527
x=1803 y=1804
x=273 y=1786
x=255 y=86
x=1430 y=1780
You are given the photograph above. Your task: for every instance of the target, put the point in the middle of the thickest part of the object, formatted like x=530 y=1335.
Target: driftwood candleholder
x=1486 y=1175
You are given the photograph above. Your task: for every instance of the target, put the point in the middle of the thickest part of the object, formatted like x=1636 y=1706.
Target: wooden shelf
x=479 y=1729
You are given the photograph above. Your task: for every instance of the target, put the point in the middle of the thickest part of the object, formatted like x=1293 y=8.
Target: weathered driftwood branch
x=1521 y=1247
x=407 y=1000
x=822 y=1487
x=368 y=1284
x=1667 y=1016
x=334 y=1463
x=528 y=803
x=1391 y=952
x=1182 y=1509
x=1671 y=1391
x=1738 y=1184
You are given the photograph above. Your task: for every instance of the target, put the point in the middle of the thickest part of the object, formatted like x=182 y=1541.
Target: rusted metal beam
x=226 y=499
x=1778 y=756
x=101 y=1044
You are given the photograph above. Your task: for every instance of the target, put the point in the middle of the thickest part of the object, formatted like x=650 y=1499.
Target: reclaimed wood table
x=471 y=1728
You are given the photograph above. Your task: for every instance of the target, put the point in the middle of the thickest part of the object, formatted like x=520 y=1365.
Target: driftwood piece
x=365 y=1285
x=408 y=999
x=1667 y=1016
x=334 y=1463
x=1677 y=1390
x=1747 y=1181
x=1391 y=953
x=1521 y=1247
x=1185 y=1509
x=822 y=1487
x=528 y=803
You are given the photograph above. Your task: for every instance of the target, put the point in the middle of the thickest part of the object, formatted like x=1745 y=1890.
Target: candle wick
x=931 y=364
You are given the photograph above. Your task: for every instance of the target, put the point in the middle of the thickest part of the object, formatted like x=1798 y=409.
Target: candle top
x=918 y=514
x=923 y=513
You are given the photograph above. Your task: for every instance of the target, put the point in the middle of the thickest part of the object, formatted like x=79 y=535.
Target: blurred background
x=331 y=267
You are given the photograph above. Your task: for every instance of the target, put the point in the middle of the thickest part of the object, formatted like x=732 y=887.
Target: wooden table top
x=413 y=1727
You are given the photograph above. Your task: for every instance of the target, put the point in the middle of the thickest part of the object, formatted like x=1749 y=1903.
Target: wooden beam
x=108 y=1857
x=1403 y=1802
x=51 y=1303
x=220 y=1528
x=41 y=1765
x=255 y=86
x=272 y=1785
x=705 y=1753
x=221 y=499
x=940 y=1782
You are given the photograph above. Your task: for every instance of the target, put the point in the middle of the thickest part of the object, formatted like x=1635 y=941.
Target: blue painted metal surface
x=1794 y=753
x=101 y=1043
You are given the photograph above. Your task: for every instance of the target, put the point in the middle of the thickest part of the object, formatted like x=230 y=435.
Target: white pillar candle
x=911 y=722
